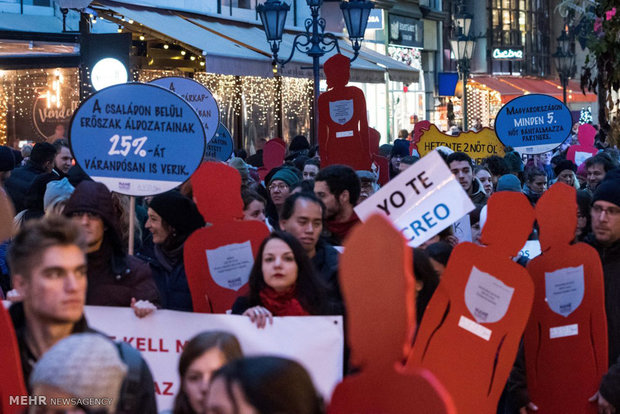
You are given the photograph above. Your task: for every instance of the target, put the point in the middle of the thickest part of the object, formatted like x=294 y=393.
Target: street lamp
x=463 y=48
x=564 y=60
x=314 y=42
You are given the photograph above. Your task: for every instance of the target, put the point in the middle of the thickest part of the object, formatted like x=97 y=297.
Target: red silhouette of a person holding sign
x=586 y=149
x=566 y=337
x=343 y=126
x=381 y=321
x=472 y=327
x=218 y=258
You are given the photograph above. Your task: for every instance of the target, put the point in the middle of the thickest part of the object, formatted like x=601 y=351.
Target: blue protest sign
x=533 y=124
x=137 y=139
x=198 y=96
x=221 y=145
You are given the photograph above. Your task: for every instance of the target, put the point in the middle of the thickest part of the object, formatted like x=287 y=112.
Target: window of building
x=521 y=23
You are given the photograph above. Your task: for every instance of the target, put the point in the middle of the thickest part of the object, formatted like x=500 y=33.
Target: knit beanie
x=509 y=182
x=56 y=192
x=9 y=158
x=287 y=175
x=241 y=166
x=299 y=143
x=564 y=165
x=514 y=161
x=582 y=171
x=178 y=211
x=401 y=148
x=609 y=189
x=85 y=366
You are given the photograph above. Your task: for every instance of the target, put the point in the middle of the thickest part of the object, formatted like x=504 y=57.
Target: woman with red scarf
x=282 y=283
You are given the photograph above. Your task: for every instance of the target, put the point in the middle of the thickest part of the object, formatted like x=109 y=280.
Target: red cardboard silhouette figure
x=471 y=329
x=343 y=127
x=380 y=324
x=586 y=149
x=273 y=156
x=11 y=376
x=566 y=337
x=418 y=131
x=218 y=258
x=374 y=137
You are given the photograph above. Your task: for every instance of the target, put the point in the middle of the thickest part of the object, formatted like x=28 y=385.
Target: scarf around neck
x=282 y=304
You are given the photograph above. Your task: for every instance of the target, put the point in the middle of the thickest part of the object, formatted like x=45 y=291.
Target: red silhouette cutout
x=471 y=329
x=418 y=131
x=11 y=375
x=579 y=153
x=273 y=156
x=216 y=191
x=380 y=324
x=568 y=316
x=343 y=127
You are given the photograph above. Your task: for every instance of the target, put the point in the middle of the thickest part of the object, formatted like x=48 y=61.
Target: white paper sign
x=230 y=265
x=531 y=249
x=477 y=329
x=421 y=201
x=564 y=289
x=341 y=112
x=564 y=331
x=462 y=229
x=317 y=342
x=344 y=134
x=581 y=157
x=487 y=297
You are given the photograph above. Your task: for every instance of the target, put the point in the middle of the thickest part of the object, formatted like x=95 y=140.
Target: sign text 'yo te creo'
x=198 y=96
x=421 y=201
x=221 y=145
x=533 y=124
x=137 y=139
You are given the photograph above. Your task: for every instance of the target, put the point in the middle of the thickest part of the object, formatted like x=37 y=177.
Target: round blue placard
x=137 y=139
x=221 y=145
x=533 y=124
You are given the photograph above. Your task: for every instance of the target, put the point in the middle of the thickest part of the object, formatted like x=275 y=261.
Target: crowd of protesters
x=71 y=250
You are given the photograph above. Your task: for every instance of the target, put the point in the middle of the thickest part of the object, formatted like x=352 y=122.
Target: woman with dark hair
x=535 y=184
x=438 y=254
x=265 y=385
x=202 y=355
x=253 y=205
x=584 y=221
x=172 y=218
x=426 y=281
x=282 y=283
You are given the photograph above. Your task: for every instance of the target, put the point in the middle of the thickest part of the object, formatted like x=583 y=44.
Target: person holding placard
x=282 y=283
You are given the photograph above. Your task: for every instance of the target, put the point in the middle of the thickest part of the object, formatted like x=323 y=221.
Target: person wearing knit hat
x=9 y=158
x=56 y=193
x=114 y=277
x=565 y=171
x=83 y=366
x=508 y=182
x=243 y=168
x=399 y=151
x=514 y=161
x=280 y=186
x=172 y=218
x=605 y=238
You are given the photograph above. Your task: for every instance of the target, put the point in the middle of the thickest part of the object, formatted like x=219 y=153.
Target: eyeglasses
x=610 y=211
x=280 y=186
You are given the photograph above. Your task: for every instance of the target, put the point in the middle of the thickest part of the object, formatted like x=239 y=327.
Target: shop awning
x=236 y=48
x=511 y=87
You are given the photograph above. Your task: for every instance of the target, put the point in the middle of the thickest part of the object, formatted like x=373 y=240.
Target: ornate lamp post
x=463 y=48
x=564 y=60
x=314 y=42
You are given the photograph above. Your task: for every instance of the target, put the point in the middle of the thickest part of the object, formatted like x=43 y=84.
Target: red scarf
x=282 y=304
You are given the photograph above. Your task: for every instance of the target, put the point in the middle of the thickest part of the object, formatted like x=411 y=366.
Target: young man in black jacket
x=48 y=263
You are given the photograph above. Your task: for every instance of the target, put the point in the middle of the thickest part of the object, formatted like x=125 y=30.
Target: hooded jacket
x=20 y=181
x=113 y=276
x=477 y=196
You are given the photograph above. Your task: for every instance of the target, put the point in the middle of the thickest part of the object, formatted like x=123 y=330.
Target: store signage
x=405 y=31
x=52 y=121
x=221 y=145
x=137 y=139
x=478 y=145
x=507 y=53
x=533 y=124
x=421 y=201
x=108 y=72
x=199 y=97
x=375 y=19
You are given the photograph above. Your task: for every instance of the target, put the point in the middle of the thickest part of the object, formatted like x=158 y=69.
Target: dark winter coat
x=610 y=258
x=477 y=196
x=20 y=181
x=144 y=395
x=325 y=262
